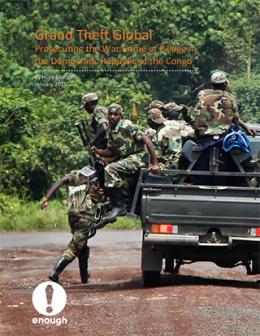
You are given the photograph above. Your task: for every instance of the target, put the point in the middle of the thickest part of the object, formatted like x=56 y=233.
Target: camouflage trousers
x=169 y=161
x=80 y=225
x=117 y=173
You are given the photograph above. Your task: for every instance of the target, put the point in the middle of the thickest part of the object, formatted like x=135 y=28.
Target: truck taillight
x=164 y=228
x=255 y=232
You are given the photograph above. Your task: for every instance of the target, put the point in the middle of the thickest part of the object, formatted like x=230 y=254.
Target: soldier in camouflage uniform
x=201 y=98
x=84 y=197
x=216 y=108
x=99 y=125
x=171 y=112
x=167 y=140
x=99 y=121
x=215 y=113
x=126 y=144
x=154 y=104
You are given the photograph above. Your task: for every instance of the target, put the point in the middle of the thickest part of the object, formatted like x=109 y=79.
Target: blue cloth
x=237 y=139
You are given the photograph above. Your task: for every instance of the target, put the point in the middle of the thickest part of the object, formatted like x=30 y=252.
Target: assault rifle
x=82 y=129
x=95 y=162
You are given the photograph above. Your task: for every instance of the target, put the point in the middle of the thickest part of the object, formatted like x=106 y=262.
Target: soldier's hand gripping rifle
x=81 y=126
x=96 y=163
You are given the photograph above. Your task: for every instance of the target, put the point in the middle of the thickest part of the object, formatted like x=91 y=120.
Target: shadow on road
x=166 y=280
x=184 y=280
x=111 y=286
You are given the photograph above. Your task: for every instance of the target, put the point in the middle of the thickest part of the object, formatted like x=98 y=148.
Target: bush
x=248 y=96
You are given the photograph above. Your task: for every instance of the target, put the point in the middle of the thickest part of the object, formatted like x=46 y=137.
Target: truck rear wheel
x=255 y=266
x=151 y=278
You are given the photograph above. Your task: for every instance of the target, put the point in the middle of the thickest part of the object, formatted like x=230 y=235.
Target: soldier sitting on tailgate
x=83 y=204
x=126 y=143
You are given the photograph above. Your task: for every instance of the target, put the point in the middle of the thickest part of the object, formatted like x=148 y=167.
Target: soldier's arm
x=107 y=152
x=197 y=122
x=100 y=133
x=187 y=116
x=155 y=168
x=239 y=122
x=249 y=131
x=56 y=186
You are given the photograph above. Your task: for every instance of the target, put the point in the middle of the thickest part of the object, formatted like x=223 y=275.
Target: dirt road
x=202 y=300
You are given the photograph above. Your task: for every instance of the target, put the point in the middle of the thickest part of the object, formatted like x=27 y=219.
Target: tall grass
x=125 y=223
x=17 y=215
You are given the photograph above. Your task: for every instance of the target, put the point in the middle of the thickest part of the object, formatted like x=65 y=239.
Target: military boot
x=58 y=268
x=83 y=264
x=118 y=199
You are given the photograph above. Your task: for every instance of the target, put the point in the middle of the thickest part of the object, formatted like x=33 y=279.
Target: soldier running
x=84 y=198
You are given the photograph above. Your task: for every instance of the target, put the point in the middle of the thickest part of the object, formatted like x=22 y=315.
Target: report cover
x=127 y=52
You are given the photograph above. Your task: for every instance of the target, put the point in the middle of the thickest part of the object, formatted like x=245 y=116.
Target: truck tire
x=255 y=266
x=151 y=278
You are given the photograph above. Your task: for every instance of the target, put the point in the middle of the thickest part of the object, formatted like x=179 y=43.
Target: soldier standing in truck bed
x=99 y=121
x=216 y=108
x=207 y=92
x=215 y=112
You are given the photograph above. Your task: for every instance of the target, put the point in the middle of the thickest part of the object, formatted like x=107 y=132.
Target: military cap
x=217 y=70
x=115 y=108
x=154 y=104
x=91 y=96
x=172 y=107
x=218 y=77
x=156 y=116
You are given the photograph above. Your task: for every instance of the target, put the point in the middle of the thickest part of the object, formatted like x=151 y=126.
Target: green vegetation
x=125 y=223
x=17 y=215
x=38 y=142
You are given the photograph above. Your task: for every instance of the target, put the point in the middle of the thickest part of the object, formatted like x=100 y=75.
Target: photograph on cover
x=129 y=167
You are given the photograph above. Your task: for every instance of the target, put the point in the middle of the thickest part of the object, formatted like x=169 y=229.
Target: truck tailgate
x=199 y=205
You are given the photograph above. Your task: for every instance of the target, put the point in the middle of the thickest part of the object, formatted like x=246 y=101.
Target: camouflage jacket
x=203 y=93
x=215 y=111
x=125 y=139
x=99 y=117
x=182 y=127
x=167 y=143
x=83 y=198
